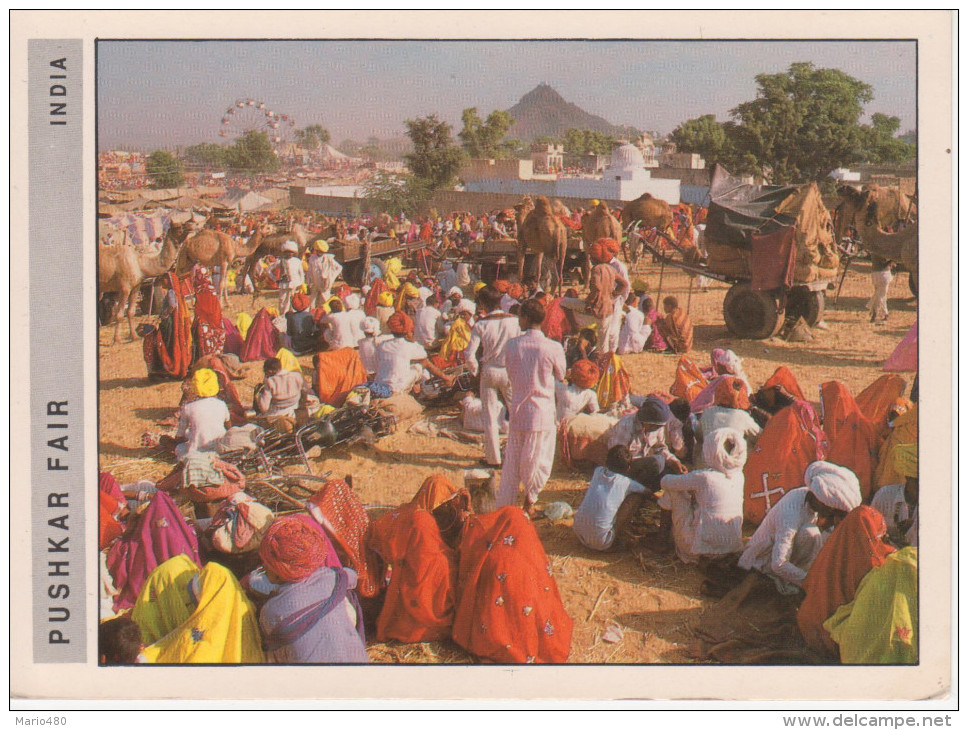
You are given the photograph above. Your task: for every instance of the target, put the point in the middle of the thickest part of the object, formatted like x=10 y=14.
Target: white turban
x=455 y=291
x=424 y=293
x=370 y=325
x=724 y=449
x=290 y=246
x=466 y=305
x=353 y=301
x=835 y=486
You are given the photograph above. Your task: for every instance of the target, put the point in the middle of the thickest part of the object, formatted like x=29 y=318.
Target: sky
x=167 y=93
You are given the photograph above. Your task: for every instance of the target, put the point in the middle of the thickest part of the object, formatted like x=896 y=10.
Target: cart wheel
x=807 y=304
x=751 y=314
x=913 y=284
x=378 y=268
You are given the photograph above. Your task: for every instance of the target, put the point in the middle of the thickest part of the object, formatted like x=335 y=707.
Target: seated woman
x=880 y=626
x=312 y=616
x=221 y=625
x=655 y=341
x=706 y=505
x=301 y=329
x=675 y=326
x=725 y=364
x=855 y=547
x=786 y=543
x=509 y=610
x=261 y=338
x=416 y=544
x=610 y=502
x=730 y=409
x=167 y=347
x=851 y=436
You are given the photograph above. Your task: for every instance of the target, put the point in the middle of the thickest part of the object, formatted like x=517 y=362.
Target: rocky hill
x=543 y=111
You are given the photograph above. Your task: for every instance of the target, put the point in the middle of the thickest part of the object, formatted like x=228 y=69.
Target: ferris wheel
x=250 y=114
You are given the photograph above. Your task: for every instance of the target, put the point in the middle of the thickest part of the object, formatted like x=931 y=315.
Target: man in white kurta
x=491 y=334
x=534 y=364
x=788 y=539
x=621 y=295
x=292 y=277
x=323 y=272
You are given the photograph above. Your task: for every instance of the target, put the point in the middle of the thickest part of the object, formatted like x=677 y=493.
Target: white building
x=625 y=178
x=844 y=175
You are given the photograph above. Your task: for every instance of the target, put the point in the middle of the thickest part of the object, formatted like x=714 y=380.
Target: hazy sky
x=163 y=93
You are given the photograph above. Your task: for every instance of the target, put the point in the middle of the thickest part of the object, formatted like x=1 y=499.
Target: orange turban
x=300 y=302
x=732 y=393
x=400 y=324
x=585 y=374
x=515 y=291
x=502 y=285
x=600 y=253
x=293 y=550
x=611 y=245
x=435 y=490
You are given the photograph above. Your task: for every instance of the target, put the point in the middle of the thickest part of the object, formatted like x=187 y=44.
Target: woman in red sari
x=168 y=347
x=855 y=548
x=852 y=437
x=207 y=329
x=508 y=607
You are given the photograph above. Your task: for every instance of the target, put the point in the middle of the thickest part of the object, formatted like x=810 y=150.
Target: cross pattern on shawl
x=767 y=492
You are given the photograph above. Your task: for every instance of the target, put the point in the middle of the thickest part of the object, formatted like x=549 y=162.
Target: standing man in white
x=491 y=334
x=534 y=364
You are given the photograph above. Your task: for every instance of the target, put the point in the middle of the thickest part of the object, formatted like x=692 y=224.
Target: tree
x=879 y=143
x=165 y=169
x=704 y=136
x=252 y=153
x=208 y=154
x=484 y=138
x=435 y=160
x=313 y=137
x=803 y=123
x=395 y=194
x=583 y=142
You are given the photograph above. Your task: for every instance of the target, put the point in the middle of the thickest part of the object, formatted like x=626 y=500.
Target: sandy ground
x=655 y=600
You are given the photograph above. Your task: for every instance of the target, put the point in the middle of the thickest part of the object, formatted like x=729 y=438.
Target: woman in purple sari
x=158 y=534
x=312 y=615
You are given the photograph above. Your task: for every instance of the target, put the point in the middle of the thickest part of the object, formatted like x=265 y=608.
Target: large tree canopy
x=705 y=136
x=435 y=159
x=165 y=169
x=208 y=154
x=803 y=122
x=396 y=194
x=252 y=153
x=485 y=138
x=879 y=143
x=583 y=142
x=313 y=137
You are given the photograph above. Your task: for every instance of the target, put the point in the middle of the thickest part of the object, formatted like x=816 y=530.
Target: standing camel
x=541 y=232
x=263 y=244
x=208 y=248
x=121 y=270
x=597 y=223
x=650 y=212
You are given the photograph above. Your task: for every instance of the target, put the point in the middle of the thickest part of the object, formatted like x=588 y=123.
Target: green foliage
x=395 y=194
x=165 y=169
x=583 y=142
x=879 y=145
x=313 y=137
x=803 y=122
x=208 y=154
x=485 y=138
x=705 y=136
x=252 y=153
x=435 y=160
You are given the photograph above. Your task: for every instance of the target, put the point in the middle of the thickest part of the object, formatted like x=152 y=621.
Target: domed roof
x=627 y=157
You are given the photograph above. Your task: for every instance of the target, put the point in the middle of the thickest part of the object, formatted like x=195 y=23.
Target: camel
x=872 y=211
x=208 y=248
x=263 y=244
x=598 y=223
x=650 y=212
x=542 y=233
x=121 y=270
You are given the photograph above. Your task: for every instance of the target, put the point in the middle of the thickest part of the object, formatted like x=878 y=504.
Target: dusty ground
x=655 y=600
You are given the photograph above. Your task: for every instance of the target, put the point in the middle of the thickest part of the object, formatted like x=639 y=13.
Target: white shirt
x=712 y=524
x=771 y=548
x=202 y=421
x=493 y=333
x=368 y=351
x=425 y=325
x=534 y=363
x=323 y=270
x=662 y=441
x=889 y=501
x=595 y=519
x=293 y=269
x=635 y=332
x=570 y=400
x=394 y=360
x=345 y=328
x=623 y=274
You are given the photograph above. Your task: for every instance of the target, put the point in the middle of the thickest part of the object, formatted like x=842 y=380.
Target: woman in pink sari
x=261 y=341
x=655 y=343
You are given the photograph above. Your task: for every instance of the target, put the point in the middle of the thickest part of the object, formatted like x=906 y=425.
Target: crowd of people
x=194 y=569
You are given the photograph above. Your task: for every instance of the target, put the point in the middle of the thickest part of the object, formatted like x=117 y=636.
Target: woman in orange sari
x=852 y=437
x=676 y=326
x=509 y=610
x=419 y=567
x=852 y=551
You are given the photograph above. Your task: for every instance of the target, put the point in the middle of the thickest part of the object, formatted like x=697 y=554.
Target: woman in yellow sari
x=197 y=616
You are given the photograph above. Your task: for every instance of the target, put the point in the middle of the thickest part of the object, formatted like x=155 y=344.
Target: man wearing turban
x=292 y=275
x=204 y=420
x=898 y=503
x=400 y=362
x=579 y=396
x=786 y=543
x=324 y=269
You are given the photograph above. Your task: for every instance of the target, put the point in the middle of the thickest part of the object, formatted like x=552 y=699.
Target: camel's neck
x=162 y=261
x=249 y=247
x=889 y=245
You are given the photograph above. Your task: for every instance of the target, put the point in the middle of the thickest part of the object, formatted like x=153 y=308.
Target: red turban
x=400 y=324
x=600 y=253
x=515 y=291
x=293 y=550
x=585 y=374
x=732 y=393
x=300 y=302
x=502 y=285
x=611 y=245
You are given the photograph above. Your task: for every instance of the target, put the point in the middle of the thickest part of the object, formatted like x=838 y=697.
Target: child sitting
x=635 y=330
x=580 y=396
x=610 y=502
